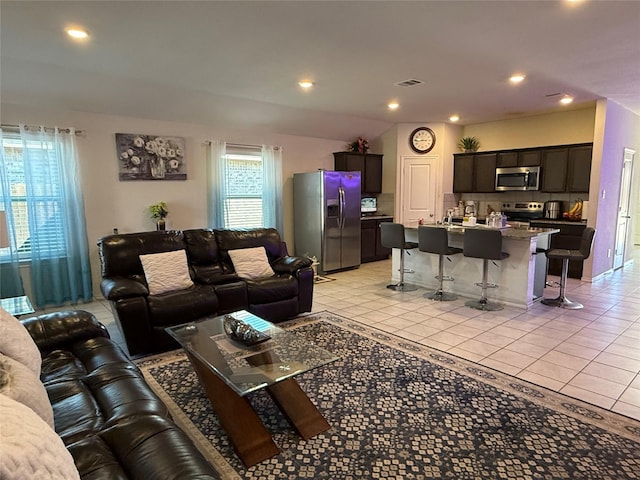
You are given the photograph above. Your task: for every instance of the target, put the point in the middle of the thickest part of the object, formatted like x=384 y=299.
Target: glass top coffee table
x=228 y=370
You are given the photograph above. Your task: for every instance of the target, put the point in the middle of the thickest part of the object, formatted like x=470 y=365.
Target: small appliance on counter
x=553 y=209
x=470 y=208
x=368 y=206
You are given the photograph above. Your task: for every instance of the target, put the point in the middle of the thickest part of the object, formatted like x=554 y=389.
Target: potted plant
x=158 y=213
x=469 y=144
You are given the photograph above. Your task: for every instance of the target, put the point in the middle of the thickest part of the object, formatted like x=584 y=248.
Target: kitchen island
x=520 y=277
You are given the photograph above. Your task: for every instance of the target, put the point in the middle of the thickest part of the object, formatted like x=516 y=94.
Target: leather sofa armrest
x=117 y=288
x=57 y=330
x=290 y=265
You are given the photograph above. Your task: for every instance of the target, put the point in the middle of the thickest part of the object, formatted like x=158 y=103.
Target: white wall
x=111 y=203
x=616 y=129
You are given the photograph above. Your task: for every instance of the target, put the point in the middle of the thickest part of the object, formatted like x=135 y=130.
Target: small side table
x=17 y=306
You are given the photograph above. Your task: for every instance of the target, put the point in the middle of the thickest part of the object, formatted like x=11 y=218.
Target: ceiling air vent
x=409 y=83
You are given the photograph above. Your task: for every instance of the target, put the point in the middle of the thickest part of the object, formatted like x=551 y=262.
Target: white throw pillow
x=18 y=382
x=166 y=271
x=30 y=448
x=15 y=342
x=251 y=262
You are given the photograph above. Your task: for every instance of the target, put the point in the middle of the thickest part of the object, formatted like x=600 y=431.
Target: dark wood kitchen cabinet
x=463 y=173
x=564 y=168
x=579 y=169
x=554 y=170
x=474 y=172
x=485 y=172
x=371 y=248
x=518 y=158
x=368 y=164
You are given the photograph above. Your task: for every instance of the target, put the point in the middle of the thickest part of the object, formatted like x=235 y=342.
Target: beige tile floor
x=592 y=354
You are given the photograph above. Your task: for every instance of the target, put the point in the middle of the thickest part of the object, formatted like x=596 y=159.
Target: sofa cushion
x=84 y=406
x=18 y=382
x=182 y=306
x=83 y=358
x=166 y=271
x=272 y=289
x=148 y=446
x=251 y=262
x=15 y=342
x=30 y=448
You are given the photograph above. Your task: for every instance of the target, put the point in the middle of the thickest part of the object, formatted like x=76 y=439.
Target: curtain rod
x=17 y=128
x=208 y=142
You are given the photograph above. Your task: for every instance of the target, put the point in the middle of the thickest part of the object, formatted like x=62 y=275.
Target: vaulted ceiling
x=237 y=63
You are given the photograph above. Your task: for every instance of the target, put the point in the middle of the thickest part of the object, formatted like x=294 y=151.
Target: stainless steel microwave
x=517 y=178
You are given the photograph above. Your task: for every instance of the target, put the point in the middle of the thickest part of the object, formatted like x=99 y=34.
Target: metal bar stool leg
x=483 y=303
x=401 y=286
x=440 y=295
x=561 y=300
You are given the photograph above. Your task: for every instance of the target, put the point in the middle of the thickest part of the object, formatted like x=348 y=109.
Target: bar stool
x=436 y=240
x=392 y=236
x=565 y=255
x=485 y=244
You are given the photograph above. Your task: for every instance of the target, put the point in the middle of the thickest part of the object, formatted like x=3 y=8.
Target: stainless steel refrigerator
x=326 y=208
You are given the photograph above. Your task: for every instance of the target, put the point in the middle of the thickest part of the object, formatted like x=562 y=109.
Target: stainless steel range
x=523 y=211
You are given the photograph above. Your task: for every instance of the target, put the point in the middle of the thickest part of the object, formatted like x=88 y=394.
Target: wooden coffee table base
x=252 y=441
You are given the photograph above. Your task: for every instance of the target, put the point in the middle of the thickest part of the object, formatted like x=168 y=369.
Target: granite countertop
x=507 y=232
x=375 y=217
x=560 y=221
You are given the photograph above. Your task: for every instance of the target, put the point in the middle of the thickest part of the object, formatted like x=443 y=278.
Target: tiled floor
x=592 y=354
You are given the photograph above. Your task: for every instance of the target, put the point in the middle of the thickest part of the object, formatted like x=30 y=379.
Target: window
x=243 y=188
x=45 y=198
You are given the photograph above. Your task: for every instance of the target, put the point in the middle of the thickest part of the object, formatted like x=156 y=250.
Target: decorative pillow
x=30 y=448
x=19 y=383
x=15 y=342
x=251 y=262
x=166 y=271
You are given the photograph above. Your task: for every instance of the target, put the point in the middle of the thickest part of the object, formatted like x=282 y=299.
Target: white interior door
x=624 y=216
x=418 y=187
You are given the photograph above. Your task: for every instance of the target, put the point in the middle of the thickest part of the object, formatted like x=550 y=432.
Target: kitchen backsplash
x=497 y=199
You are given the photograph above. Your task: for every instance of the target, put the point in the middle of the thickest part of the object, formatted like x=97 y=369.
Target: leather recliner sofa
x=216 y=289
x=112 y=423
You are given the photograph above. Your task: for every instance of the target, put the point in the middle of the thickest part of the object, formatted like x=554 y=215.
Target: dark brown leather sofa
x=217 y=289
x=112 y=423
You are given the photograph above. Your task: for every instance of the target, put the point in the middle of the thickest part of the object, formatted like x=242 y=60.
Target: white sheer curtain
x=216 y=189
x=272 y=187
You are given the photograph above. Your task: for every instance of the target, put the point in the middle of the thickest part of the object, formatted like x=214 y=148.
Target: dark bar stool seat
x=392 y=236
x=436 y=240
x=565 y=255
x=487 y=245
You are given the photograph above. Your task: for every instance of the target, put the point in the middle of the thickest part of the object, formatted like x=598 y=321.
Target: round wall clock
x=422 y=140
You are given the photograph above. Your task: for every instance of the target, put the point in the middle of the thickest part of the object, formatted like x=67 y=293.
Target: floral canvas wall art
x=150 y=157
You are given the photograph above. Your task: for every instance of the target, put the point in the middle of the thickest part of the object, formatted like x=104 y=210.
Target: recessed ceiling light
x=306 y=83
x=517 y=78
x=566 y=100
x=393 y=105
x=76 y=32
x=454 y=118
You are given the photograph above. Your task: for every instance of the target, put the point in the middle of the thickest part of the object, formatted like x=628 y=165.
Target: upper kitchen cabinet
x=368 y=164
x=554 y=169
x=474 y=172
x=529 y=158
x=518 y=158
x=463 y=173
x=485 y=172
x=579 y=168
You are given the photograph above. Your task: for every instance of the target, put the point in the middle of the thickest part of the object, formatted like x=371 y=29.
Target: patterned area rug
x=399 y=410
